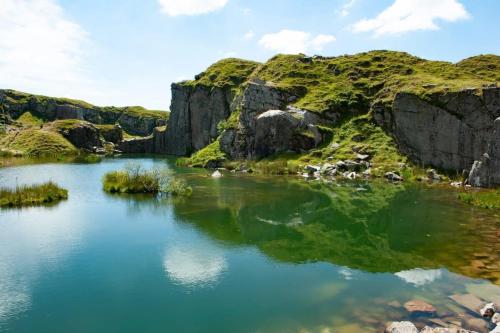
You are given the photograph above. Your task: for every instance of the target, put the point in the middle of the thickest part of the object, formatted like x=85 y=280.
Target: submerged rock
x=420 y=308
x=216 y=174
x=401 y=327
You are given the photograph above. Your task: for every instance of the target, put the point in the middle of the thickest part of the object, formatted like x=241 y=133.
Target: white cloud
x=293 y=41
x=346 y=8
x=190 y=7
x=411 y=15
x=249 y=35
x=39 y=46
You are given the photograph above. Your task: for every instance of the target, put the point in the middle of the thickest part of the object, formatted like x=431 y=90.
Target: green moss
x=209 y=156
x=353 y=82
x=33 y=195
x=37 y=142
x=28 y=119
x=489 y=199
x=227 y=72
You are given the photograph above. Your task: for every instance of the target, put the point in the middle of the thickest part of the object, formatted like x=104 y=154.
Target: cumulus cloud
x=39 y=46
x=190 y=7
x=294 y=41
x=346 y=8
x=411 y=15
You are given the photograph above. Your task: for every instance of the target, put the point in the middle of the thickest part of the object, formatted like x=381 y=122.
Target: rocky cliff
x=438 y=114
x=134 y=120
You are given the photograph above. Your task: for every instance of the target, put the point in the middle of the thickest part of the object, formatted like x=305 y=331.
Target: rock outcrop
x=196 y=112
x=449 y=136
x=486 y=171
x=152 y=144
x=268 y=124
x=134 y=120
x=450 y=131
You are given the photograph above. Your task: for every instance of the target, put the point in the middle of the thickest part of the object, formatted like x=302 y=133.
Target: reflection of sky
x=195 y=265
x=28 y=246
x=420 y=277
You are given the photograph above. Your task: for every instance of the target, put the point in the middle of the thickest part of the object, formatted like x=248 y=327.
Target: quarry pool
x=243 y=254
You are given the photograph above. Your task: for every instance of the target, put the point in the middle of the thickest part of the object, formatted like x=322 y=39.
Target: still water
x=243 y=254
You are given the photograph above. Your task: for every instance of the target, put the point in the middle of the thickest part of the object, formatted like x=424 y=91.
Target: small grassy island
x=135 y=179
x=32 y=195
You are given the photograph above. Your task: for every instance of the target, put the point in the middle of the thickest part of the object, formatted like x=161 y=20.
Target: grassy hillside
x=37 y=143
x=355 y=81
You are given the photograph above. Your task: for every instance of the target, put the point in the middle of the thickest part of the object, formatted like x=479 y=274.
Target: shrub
x=32 y=195
x=176 y=187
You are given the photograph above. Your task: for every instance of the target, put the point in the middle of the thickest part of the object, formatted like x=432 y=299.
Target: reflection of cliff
x=296 y=222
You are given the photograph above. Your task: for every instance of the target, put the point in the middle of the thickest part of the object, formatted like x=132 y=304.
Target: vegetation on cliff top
x=33 y=195
x=227 y=72
x=16 y=98
x=353 y=82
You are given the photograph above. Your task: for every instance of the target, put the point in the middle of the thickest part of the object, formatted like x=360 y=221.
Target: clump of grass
x=489 y=199
x=135 y=179
x=32 y=195
x=176 y=187
x=88 y=159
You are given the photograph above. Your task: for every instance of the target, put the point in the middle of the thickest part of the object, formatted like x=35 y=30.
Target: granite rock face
x=451 y=131
x=486 y=171
x=268 y=124
x=195 y=114
x=152 y=144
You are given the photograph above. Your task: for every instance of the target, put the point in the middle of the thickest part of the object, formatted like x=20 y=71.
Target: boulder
x=394 y=177
x=401 y=327
x=419 y=308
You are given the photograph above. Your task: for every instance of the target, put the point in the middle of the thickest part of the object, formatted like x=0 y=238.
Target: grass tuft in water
x=32 y=195
x=135 y=179
x=489 y=199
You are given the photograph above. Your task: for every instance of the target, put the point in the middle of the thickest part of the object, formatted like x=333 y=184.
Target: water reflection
x=383 y=228
x=420 y=277
x=29 y=247
x=195 y=265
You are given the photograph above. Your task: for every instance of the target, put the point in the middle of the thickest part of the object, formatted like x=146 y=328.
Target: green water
x=243 y=254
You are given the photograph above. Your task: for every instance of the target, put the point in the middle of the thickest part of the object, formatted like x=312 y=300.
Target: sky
x=128 y=52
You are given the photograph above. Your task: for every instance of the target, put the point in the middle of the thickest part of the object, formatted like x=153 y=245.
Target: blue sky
x=128 y=52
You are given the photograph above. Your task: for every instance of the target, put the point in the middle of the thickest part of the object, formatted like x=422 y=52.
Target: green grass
x=209 y=156
x=33 y=195
x=227 y=72
x=37 y=143
x=353 y=82
x=28 y=119
x=489 y=199
x=135 y=179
